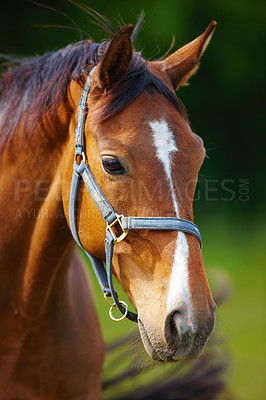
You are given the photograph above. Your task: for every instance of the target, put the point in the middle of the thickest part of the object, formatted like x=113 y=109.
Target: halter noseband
x=115 y=223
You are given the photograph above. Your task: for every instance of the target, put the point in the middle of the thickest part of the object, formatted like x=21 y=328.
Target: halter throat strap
x=118 y=226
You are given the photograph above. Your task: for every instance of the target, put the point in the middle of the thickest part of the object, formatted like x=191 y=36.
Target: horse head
x=145 y=158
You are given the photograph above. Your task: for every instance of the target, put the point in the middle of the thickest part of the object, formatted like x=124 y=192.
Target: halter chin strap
x=118 y=226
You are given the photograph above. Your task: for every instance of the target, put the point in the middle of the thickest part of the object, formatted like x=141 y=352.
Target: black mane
x=39 y=85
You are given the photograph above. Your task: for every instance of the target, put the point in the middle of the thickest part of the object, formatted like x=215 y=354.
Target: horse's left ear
x=185 y=61
x=116 y=59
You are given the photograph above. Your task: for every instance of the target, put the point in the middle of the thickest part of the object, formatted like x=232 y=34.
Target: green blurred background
x=225 y=102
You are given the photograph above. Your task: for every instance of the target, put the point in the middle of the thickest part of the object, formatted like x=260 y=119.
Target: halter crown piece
x=114 y=221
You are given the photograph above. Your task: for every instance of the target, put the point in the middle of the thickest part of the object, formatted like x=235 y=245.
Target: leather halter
x=115 y=223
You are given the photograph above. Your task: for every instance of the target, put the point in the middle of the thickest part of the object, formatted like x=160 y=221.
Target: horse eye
x=112 y=165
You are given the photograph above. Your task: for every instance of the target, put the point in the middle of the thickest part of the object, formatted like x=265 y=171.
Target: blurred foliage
x=225 y=100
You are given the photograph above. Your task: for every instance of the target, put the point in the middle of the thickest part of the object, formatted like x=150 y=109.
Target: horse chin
x=190 y=348
x=147 y=343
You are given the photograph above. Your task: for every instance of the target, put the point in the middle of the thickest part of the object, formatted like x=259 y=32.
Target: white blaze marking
x=179 y=287
x=165 y=147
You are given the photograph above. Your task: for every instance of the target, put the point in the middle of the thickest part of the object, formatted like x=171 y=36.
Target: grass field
x=234 y=251
x=239 y=248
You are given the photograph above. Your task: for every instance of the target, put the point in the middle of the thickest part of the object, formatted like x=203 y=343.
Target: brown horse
x=145 y=158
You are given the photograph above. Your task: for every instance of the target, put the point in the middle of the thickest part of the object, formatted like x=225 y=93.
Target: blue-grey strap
x=79 y=137
x=104 y=276
x=97 y=264
x=109 y=249
x=162 y=223
x=96 y=193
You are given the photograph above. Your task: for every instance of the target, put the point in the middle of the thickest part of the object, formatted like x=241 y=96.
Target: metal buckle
x=82 y=155
x=118 y=221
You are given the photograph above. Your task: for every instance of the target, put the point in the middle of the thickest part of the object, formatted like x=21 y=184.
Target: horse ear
x=185 y=61
x=116 y=59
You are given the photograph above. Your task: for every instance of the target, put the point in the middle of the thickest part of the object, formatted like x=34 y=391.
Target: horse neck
x=35 y=240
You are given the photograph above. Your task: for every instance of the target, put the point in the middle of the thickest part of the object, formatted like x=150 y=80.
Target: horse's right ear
x=116 y=59
x=185 y=61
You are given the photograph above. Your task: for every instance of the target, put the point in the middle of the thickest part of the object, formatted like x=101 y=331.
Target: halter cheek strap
x=115 y=223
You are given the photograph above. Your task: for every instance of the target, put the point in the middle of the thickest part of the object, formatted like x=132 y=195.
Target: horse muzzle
x=181 y=337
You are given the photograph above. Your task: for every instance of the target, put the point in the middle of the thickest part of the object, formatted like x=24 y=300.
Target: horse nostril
x=172 y=324
x=176 y=324
x=171 y=332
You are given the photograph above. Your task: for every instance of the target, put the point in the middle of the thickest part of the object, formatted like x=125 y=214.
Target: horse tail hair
x=129 y=375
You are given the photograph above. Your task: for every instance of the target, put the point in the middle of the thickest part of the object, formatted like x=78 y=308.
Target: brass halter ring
x=113 y=305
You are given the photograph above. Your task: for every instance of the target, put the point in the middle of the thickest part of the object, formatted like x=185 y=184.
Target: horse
x=144 y=160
